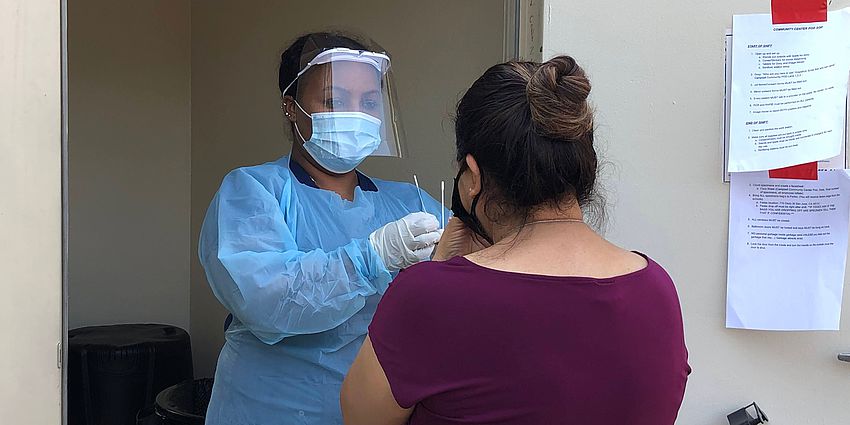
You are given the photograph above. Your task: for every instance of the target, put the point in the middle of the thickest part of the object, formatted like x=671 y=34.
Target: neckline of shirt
x=597 y=280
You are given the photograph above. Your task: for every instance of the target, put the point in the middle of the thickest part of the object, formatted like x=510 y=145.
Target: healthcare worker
x=300 y=250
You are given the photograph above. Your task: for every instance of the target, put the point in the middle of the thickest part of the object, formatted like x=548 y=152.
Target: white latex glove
x=405 y=242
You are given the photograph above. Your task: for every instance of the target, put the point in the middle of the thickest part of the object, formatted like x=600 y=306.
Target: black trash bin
x=148 y=416
x=182 y=404
x=114 y=371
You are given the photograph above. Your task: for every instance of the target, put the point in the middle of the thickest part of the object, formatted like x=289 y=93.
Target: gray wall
x=438 y=49
x=657 y=73
x=130 y=129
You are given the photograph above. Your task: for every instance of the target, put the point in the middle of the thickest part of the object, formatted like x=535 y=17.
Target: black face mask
x=470 y=220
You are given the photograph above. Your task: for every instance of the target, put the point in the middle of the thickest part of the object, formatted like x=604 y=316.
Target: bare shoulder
x=634 y=260
x=625 y=261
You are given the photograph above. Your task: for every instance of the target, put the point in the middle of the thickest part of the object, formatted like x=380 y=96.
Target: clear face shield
x=345 y=100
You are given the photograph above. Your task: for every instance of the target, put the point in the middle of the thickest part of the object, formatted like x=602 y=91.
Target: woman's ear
x=475 y=175
x=289 y=108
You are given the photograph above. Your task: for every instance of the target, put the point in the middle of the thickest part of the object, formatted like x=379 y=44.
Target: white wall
x=130 y=129
x=657 y=74
x=438 y=48
x=30 y=211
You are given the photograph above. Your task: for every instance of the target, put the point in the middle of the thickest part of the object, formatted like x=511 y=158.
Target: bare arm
x=366 y=397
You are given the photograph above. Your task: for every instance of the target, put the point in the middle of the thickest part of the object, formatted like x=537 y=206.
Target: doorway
x=164 y=97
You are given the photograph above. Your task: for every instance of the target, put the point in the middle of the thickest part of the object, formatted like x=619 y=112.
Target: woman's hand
x=457 y=240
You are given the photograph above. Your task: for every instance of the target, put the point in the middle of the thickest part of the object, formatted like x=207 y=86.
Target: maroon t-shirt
x=466 y=344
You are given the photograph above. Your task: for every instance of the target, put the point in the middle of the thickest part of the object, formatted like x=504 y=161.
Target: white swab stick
x=419 y=191
x=443 y=204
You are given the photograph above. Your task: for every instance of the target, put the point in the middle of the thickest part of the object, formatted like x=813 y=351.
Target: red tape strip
x=798 y=11
x=799 y=172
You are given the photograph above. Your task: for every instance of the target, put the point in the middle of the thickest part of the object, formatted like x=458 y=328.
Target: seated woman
x=533 y=318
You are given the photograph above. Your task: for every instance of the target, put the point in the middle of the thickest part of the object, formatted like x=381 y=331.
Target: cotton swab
x=442 y=204
x=419 y=191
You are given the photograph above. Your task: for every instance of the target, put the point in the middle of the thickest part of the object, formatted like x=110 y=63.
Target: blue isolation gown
x=294 y=266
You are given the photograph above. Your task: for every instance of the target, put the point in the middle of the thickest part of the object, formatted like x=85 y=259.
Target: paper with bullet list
x=787 y=251
x=789 y=84
x=834 y=163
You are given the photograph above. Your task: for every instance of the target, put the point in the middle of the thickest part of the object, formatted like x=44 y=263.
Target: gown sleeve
x=258 y=273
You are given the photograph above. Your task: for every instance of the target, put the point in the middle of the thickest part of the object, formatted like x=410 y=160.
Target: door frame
x=63 y=344
x=523 y=30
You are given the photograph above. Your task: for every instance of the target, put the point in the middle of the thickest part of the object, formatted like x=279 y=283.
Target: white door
x=30 y=211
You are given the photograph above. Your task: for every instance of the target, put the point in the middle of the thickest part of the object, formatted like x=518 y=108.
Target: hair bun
x=557 y=94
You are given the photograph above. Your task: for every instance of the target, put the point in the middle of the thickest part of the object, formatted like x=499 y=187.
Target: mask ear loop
x=479 y=228
x=302 y=109
x=298 y=130
x=476 y=227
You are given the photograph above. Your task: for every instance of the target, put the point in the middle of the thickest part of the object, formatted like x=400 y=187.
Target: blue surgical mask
x=342 y=140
